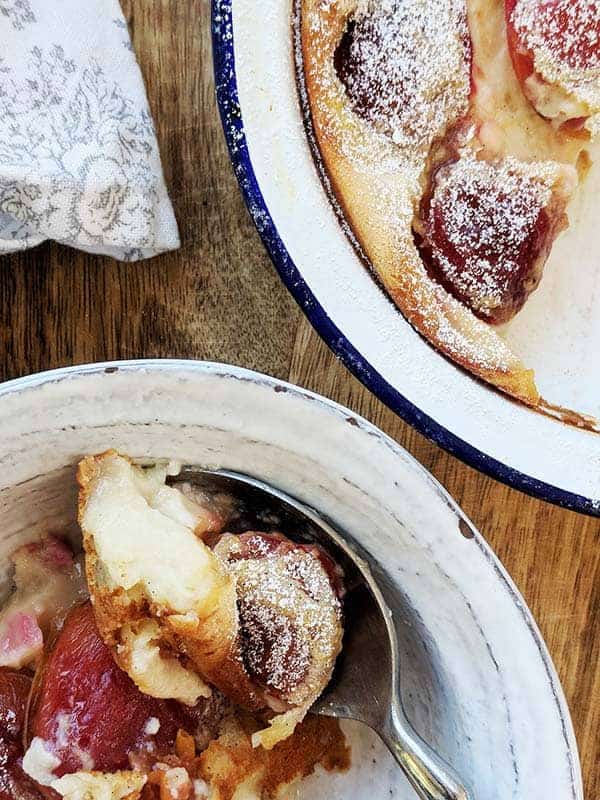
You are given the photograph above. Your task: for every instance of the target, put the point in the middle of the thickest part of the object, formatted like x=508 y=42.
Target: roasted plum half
x=384 y=61
x=486 y=229
x=288 y=598
x=88 y=715
x=555 y=50
x=181 y=617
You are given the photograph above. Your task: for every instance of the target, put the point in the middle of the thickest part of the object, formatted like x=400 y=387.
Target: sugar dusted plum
x=405 y=66
x=555 y=50
x=290 y=621
x=486 y=230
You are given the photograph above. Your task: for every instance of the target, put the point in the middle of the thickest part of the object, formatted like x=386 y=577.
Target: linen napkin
x=79 y=161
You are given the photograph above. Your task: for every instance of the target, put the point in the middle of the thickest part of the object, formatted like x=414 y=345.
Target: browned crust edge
x=425 y=305
x=214 y=653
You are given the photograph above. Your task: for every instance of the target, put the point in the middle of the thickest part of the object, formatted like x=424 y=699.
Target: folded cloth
x=79 y=161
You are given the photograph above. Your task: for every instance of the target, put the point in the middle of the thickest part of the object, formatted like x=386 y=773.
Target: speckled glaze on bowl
x=477 y=681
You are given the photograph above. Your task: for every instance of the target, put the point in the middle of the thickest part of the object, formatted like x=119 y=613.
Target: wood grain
x=219 y=298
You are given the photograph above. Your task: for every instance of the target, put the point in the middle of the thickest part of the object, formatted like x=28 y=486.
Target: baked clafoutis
x=164 y=657
x=453 y=135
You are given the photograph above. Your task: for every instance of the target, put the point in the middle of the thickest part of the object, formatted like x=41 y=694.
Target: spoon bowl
x=364 y=686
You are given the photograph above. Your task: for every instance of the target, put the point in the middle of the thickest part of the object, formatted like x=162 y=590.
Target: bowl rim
x=233 y=128
x=226 y=371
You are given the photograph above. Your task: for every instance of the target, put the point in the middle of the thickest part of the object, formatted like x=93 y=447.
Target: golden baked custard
x=173 y=659
x=454 y=134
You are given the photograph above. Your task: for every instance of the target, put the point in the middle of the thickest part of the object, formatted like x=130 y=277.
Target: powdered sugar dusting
x=564 y=38
x=407 y=62
x=273 y=649
x=487 y=214
x=405 y=66
x=391 y=175
x=291 y=621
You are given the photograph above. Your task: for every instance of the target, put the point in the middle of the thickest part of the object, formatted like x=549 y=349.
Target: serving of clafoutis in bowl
x=183 y=608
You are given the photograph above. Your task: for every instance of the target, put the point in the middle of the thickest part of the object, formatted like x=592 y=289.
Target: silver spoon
x=364 y=686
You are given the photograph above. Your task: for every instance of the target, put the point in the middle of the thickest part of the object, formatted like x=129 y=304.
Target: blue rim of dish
x=233 y=127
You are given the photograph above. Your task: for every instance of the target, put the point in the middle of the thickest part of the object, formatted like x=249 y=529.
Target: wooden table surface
x=219 y=298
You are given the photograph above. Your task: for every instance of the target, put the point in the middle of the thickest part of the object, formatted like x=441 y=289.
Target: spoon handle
x=430 y=777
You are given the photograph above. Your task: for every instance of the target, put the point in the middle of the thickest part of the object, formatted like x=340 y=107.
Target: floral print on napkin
x=18 y=12
x=79 y=161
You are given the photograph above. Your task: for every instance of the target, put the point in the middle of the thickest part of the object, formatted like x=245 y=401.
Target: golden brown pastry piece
x=290 y=622
x=177 y=614
x=162 y=599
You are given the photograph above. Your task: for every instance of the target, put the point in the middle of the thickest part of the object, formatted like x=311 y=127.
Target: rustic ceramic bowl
x=557 y=333
x=477 y=681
